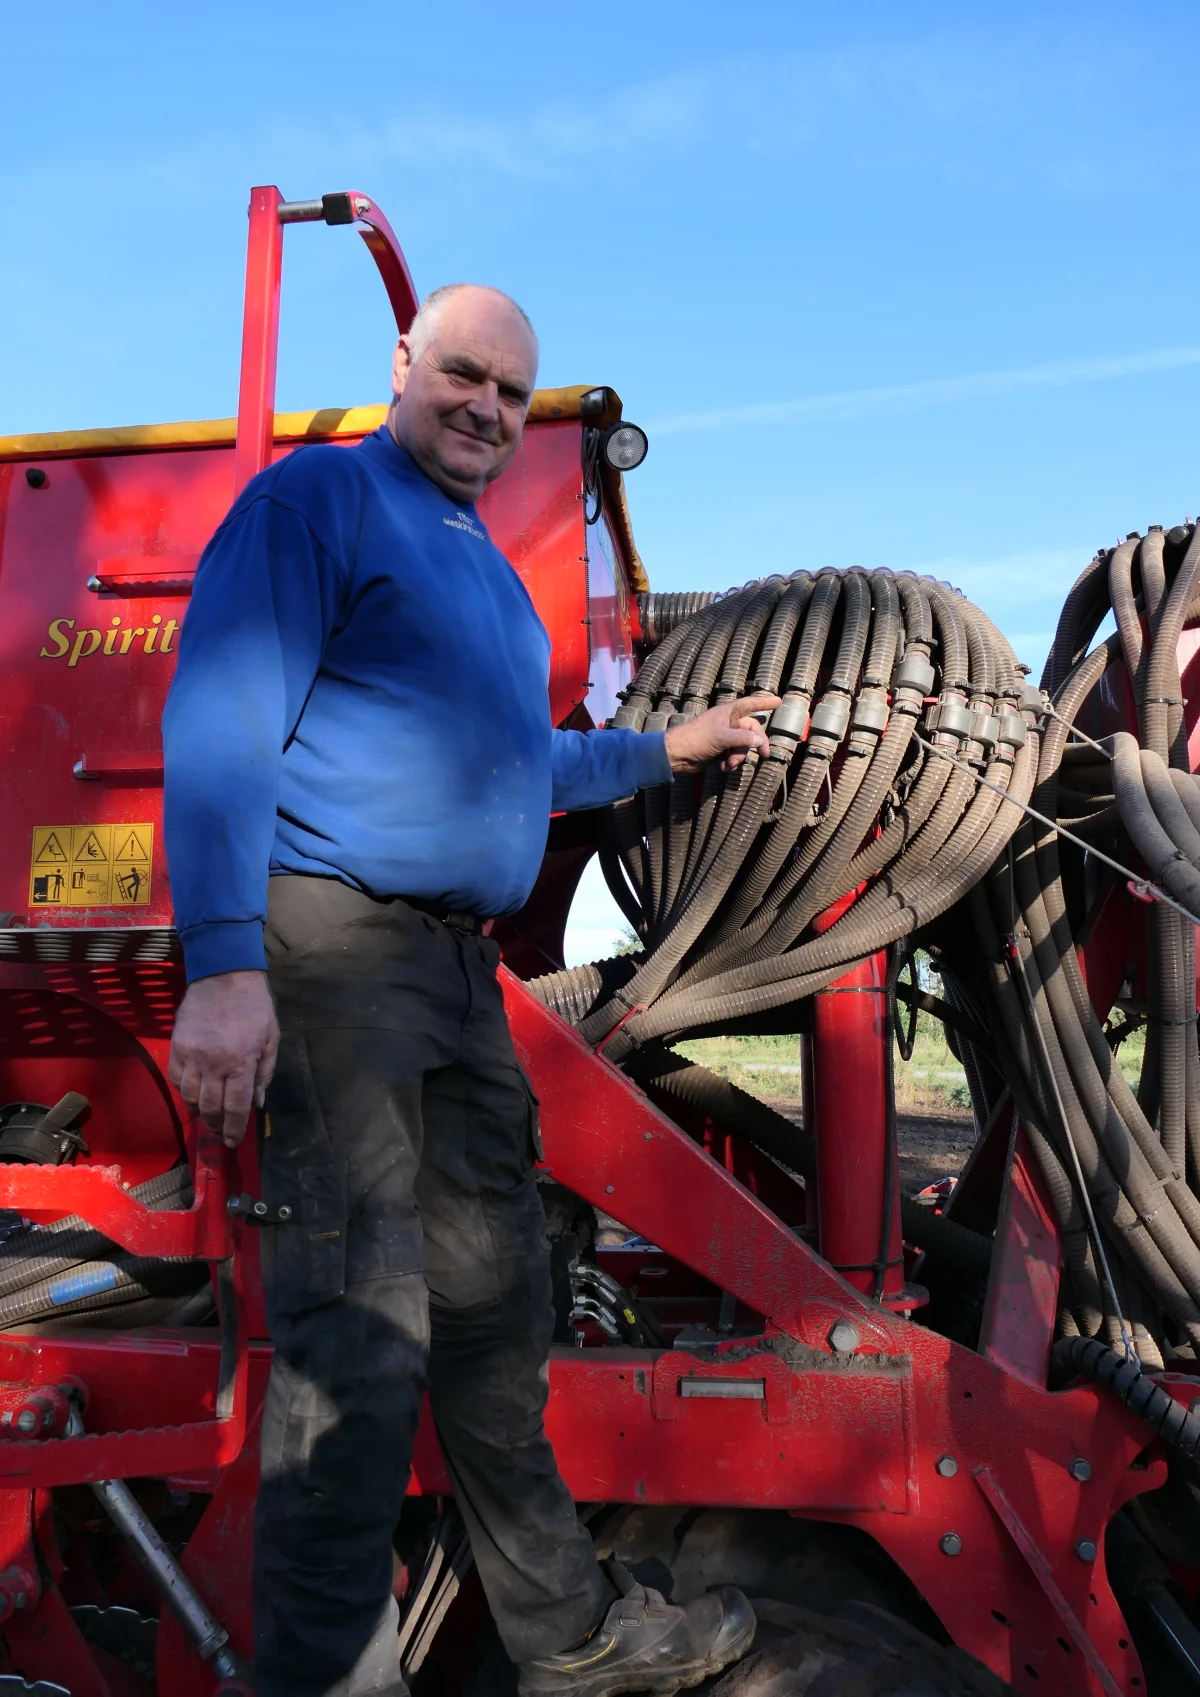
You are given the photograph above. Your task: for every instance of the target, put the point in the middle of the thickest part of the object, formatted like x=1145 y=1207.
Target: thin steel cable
x=1053 y=713
x=1142 y=886
x=1014 y=955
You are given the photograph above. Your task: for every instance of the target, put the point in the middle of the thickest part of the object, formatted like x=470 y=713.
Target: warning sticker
x=90 y=865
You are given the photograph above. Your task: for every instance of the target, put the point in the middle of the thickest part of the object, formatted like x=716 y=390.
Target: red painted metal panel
x=85 y=674
x=1043 y=1572
x=260 y=338
x=1022 y=1300
x=851 y=1029
x=534 y=515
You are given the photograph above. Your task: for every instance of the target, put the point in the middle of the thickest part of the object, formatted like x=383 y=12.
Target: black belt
x=471 y=923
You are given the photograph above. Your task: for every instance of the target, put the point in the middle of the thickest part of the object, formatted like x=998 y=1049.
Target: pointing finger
x=751 y=704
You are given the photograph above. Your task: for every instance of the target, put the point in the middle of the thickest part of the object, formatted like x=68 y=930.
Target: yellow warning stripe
x=326 y=424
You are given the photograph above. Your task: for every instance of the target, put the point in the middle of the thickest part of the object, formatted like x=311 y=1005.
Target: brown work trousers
x=401 y=1134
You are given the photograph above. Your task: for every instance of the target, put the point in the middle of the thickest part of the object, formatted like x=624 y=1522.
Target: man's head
x=462 y=379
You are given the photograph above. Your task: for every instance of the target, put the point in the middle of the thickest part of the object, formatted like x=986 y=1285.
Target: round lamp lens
x=625 y=446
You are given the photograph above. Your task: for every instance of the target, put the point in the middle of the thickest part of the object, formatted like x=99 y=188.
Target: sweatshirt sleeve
x=592 y=767
x=262 y=608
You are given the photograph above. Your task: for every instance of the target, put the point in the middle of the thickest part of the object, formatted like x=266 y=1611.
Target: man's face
x=460 y=407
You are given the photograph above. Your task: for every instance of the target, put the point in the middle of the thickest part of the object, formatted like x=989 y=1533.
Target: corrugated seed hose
x=904 y=713
x=723 y=877
x=68 y=1271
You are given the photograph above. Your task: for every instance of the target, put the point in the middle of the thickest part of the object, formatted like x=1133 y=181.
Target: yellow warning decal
x=90 y=865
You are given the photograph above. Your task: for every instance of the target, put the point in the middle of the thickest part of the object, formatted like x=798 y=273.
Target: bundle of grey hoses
x=70 y=1273
x=723 y=878
x=897 y=693
x=1133 y=1257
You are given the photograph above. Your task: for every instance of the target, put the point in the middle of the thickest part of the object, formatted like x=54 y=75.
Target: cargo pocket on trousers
x=310 y=1249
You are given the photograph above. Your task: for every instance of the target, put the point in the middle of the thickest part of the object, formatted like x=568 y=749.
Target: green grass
x=765 y=1066
x=932 y=1082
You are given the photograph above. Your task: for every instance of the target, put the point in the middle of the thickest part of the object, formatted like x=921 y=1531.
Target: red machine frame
x=954 y=1461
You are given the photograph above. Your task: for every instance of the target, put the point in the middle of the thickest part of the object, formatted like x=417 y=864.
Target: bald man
x=360 y=768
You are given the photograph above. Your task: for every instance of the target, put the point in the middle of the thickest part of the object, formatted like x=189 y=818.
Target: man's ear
x=401 y=365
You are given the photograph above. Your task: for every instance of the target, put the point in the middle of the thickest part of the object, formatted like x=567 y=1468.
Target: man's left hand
x=726 y=733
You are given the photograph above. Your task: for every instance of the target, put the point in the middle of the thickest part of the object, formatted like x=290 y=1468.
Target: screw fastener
x=1085 y=1549
x=1080 y=1469
x=950 y=1543
x=844 y=1337
x=946 y=1466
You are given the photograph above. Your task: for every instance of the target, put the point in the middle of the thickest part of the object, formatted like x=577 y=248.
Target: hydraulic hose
x=723 y=877
x=1137 y=1284
x=1174 y=1422
x=902 y=757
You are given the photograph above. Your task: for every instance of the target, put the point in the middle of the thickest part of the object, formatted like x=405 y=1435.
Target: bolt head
x=1080 y=1469
x=1085 y=1549
x=608 y=1190
x=844 y=1337
x=950 y=1544
x=946 y=1466
x=27 y=1420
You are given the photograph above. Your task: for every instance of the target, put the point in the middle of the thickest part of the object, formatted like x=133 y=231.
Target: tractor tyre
x=861 y=1651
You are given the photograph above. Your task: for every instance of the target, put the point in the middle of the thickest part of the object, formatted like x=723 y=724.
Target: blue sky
x=903 y=286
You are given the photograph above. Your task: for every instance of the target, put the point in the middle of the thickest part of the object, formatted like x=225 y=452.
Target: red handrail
x=269 y=212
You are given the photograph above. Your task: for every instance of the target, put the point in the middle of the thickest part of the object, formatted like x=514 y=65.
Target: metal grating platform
x=108 y=945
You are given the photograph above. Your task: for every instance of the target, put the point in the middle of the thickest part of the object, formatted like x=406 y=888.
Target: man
x=359 y=768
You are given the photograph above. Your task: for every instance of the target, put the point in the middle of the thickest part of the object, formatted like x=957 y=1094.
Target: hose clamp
x=1011 y=729
x=831 y=717
x=952 y=716
x=790 y=718
x=629 y=716
x=914 y=672
x=985 y=727
x=870 y=711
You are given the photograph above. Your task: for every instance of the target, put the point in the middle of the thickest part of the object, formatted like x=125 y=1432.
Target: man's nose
x=484 y=404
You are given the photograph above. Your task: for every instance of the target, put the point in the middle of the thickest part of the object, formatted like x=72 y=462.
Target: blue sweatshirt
x=362 y=693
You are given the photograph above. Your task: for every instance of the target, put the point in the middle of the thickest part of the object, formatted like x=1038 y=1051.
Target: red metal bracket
x=1022 y=1296
x=1044 y=1574
x=204 y=1232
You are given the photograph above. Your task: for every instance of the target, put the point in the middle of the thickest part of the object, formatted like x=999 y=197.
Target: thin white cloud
x=850 y=404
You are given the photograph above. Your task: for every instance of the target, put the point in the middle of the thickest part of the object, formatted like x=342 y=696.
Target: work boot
x=645 y=1643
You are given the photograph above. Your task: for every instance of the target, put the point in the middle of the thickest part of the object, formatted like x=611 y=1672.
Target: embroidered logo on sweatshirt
x=464 y=521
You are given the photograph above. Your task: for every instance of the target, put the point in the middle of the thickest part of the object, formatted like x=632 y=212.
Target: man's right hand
x=224 y=1048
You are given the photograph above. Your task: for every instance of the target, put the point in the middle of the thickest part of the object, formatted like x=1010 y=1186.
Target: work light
x=624 y=446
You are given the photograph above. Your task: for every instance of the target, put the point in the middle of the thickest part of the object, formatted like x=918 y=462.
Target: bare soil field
x=934 y=1142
